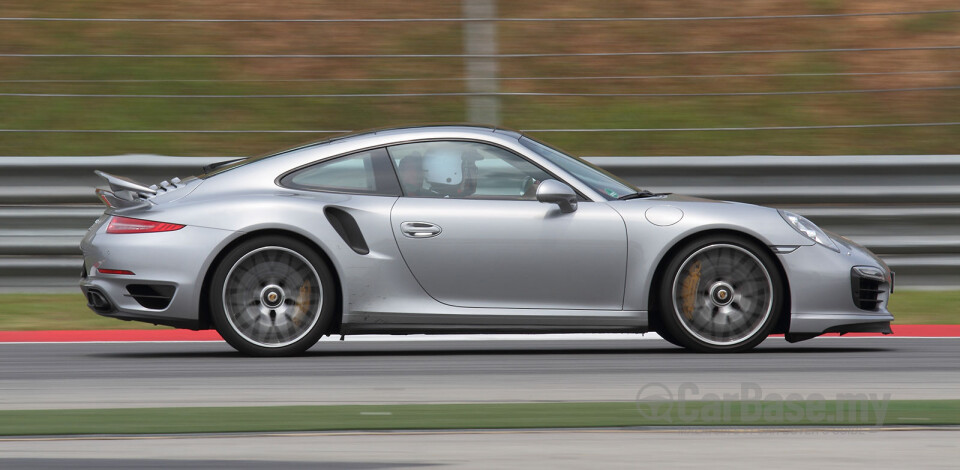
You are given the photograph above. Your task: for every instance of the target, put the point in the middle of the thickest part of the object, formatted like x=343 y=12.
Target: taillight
x=122 y=272
x=128 y=225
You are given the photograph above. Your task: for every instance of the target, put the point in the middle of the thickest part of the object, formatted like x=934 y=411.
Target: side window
x=464 y=170
x=367 y=172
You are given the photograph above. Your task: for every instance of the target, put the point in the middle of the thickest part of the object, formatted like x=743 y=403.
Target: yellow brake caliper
x=688 y=290
x=303 y=303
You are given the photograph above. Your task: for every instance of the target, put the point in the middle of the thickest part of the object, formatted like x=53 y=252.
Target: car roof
x=303 y=155
x=400 y=130
x=360 y=136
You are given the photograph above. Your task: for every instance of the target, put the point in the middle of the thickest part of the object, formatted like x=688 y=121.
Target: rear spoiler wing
x=124 y=192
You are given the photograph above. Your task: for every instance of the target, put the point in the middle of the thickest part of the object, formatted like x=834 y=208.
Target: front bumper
x=829 y=296
x=168 y=270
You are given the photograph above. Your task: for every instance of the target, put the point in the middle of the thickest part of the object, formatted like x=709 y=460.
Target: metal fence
x=906 y=208
x=485 y=51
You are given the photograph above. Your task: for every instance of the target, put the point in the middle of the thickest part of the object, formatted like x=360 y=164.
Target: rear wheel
x=721 y=294
x=272 y=296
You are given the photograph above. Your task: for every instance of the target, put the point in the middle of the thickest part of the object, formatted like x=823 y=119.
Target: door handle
x=419 y=229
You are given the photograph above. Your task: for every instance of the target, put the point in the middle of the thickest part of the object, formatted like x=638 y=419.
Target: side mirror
x=555 y=192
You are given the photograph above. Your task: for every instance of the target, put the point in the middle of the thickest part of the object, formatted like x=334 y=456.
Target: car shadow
x=533 y=351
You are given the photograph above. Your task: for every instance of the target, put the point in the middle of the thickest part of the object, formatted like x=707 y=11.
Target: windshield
x=599 y=180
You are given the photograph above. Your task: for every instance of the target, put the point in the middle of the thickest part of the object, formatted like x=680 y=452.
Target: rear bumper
x=100 y=302
x=168 y=267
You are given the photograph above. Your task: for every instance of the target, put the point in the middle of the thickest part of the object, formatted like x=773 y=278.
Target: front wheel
x=272 y=296
x=721 y=294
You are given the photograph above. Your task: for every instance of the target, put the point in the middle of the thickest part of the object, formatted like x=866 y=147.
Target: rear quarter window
x=367 y=172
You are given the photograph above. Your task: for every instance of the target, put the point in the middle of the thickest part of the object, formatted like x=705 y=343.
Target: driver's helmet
x=442 y=166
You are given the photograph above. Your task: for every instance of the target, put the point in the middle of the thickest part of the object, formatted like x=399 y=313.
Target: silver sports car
x=460 y=229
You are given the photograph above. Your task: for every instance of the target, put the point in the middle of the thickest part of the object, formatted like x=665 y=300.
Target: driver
x=450 y=173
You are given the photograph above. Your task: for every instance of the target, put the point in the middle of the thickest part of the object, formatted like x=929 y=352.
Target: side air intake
x=346 y=226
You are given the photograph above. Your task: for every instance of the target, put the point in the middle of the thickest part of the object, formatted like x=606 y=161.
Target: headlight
x=808 y=229
x=870 y=271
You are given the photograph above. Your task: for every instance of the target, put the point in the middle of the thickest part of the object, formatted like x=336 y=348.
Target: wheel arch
x=204 y=309
x=653 y=300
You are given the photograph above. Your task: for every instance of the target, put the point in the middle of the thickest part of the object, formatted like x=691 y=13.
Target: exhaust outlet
x=98 y=302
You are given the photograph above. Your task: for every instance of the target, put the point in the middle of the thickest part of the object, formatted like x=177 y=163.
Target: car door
x=471 y=231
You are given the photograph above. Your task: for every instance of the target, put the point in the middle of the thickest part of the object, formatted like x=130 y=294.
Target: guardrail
x=904 y=208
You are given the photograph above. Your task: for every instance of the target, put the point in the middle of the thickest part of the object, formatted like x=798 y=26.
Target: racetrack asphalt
x=114 y=375
x=799 y=448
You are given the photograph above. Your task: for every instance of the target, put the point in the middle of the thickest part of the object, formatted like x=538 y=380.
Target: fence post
x=480 y=37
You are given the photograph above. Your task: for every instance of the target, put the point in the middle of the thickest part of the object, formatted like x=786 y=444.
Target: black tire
x=272 y=296
x=656 y=325
x=720 y=293
x=668 y=337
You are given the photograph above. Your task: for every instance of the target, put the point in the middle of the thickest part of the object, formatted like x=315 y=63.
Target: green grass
x=69 y=311
x=55 y=312
x=926 y=307
x=809 y=411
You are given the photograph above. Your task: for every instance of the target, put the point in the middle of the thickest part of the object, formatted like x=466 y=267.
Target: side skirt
x=521 y=321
